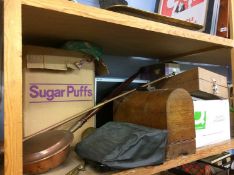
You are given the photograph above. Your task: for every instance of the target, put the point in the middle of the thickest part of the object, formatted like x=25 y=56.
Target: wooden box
x=163 y=109
x=199 y=82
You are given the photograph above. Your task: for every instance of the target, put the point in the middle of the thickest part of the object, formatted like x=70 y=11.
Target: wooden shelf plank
x=12 y=88
x=200 y=153
x=207 y=151
x=49 y=23
x=216 y=56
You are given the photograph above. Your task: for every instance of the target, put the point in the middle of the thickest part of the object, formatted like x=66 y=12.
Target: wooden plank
x=231 y=19
x=154 y=17
x=217 y=56
x=12 y=88
x=207 y=151
x=201 y=153
x=118 y=34
x=123 y=20
x=212 y=55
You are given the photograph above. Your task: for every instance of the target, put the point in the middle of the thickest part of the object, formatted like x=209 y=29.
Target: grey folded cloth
x=123 y=145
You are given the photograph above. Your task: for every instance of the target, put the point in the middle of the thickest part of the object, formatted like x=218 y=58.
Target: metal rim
x=46 y=145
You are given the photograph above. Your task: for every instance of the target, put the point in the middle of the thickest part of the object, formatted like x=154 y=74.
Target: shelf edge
x=200 y=153
x=125 y=20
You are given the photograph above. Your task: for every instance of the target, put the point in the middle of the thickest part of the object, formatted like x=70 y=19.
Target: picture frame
x=194 y=11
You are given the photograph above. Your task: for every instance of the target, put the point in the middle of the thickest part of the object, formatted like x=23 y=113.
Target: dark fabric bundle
x=123 y=145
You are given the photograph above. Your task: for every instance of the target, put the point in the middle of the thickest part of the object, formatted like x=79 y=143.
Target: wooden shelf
x=216 y=56
x=200 y=153
x=73 y=161
x=53 y=22
x=49 y=23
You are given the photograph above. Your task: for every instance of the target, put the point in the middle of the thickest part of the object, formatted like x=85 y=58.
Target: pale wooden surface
x=73 y=161
x=231 y=19
x=201 y=153
x=12 y=87
x=219 y=56
x=118 y=34
x=123 y=9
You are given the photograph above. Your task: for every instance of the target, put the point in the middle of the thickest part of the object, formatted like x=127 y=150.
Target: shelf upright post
x=231 y=11
x=12 y=55
x=231 y=15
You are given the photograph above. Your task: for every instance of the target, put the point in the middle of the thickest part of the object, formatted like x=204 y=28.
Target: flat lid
x=45 y=145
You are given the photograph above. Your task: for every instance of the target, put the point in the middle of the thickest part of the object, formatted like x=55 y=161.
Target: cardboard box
x=212 y=121
x=57 y=85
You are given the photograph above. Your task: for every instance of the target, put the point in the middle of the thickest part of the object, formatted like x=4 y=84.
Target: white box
x=212 y=121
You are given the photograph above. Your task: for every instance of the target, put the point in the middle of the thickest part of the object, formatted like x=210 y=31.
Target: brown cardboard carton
x=57 y=84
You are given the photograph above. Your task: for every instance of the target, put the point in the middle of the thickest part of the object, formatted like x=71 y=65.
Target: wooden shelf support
x=12 y=87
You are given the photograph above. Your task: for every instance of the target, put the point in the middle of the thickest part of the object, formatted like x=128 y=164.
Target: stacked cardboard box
x=57 y=85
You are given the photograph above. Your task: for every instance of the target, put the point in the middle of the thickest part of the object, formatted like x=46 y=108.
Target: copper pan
x=49 y=149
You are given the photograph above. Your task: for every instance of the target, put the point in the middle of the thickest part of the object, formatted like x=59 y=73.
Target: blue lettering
x=50 y=94
x=70 y=89
x=33 y=91
x=90 y=92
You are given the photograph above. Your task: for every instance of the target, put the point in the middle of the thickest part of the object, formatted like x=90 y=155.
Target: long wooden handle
x=84 y=119
x=94 y=108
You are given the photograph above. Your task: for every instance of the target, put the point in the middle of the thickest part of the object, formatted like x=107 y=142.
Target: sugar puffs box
x=57 y=84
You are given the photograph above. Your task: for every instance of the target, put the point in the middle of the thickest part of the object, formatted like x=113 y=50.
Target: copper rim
x=46 y=145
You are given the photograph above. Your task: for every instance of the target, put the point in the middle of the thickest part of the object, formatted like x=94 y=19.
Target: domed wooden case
x=163 y=109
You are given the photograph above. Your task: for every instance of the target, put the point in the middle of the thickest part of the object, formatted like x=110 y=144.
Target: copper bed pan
x=46 y=151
